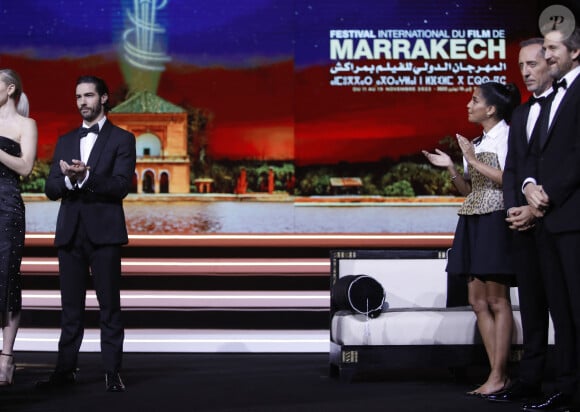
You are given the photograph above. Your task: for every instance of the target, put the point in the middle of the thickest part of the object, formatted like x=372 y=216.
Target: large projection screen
x=268 y=116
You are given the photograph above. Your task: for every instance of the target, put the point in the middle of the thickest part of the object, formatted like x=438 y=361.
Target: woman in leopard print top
x=481 y=245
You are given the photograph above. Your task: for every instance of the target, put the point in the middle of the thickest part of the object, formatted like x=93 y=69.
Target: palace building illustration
x=160 y=128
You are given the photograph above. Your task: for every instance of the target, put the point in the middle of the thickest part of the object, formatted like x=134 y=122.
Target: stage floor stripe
x=156 y=299
x=189 y=341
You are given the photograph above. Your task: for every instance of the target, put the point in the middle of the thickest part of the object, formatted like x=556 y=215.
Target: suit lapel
x=524 y=124
x=99 y=144
x=570 y=93
x=76 y=147
x=527 y=144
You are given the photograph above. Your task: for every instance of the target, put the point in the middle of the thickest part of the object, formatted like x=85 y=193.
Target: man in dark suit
x=532 y=298
x=553 y=187
x=91 y=173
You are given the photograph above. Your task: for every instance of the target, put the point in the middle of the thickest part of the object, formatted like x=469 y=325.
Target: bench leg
x=344 y=374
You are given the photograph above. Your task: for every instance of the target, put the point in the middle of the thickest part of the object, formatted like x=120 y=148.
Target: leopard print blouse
x=486 y=196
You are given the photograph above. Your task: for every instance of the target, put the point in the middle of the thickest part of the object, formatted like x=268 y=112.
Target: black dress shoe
x=558 y=401
x=113 y=382
x=517 y=392
x=58 y=379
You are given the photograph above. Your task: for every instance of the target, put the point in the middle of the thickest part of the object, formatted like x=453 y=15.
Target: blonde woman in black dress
x=480 y=250
x=18 y=138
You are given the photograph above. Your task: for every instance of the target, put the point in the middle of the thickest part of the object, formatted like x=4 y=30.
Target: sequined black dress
x=12 y=230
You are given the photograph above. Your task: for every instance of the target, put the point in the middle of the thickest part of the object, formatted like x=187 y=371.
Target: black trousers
x=533 y=307
x=560 y=263
x=80 y=262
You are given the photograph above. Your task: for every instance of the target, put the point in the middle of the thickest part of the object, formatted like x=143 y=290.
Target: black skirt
x=482 y=248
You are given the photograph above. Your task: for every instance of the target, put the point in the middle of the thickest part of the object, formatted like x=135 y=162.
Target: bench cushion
x=419 y=326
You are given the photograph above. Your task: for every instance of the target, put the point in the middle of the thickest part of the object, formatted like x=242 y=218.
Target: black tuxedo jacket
x=531 y=291
x=555 y=164
x=99 y=203
x=515 y=164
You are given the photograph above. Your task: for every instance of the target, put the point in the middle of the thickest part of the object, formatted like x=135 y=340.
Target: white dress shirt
x=560 y=93
x=534 y=113
x=87 y=143
x=495 y=140
x=570 y=77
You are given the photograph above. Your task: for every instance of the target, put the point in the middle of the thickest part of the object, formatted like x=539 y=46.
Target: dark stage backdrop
x=311 y=84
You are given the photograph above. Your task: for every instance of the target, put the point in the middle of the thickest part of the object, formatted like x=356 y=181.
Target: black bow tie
x=562 y=83
x=533 y=99
x=86 y=130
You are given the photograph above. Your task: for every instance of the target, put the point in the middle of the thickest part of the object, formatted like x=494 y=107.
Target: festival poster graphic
x=392 y=78
x=280 y=98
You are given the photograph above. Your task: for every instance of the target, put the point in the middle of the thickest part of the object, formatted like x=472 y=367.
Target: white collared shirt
x=570 y=77
x=86 y=145
x=534 y=113
x=495 y=141
x=89 y=140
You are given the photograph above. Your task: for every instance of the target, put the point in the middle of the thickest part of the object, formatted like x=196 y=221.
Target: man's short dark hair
x=533 y=40
x=100 y=86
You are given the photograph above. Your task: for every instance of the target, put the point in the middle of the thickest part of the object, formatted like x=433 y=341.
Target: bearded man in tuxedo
x=91 y=173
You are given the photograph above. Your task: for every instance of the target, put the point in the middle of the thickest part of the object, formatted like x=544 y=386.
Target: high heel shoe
x=6 y=369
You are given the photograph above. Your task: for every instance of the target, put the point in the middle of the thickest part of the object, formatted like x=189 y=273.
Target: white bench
x=417 y=329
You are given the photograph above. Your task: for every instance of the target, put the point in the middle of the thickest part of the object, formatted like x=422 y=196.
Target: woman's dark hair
x=504 y=97
x=100 y=86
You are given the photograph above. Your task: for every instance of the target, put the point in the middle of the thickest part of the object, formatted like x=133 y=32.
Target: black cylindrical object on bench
x=358 y=293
